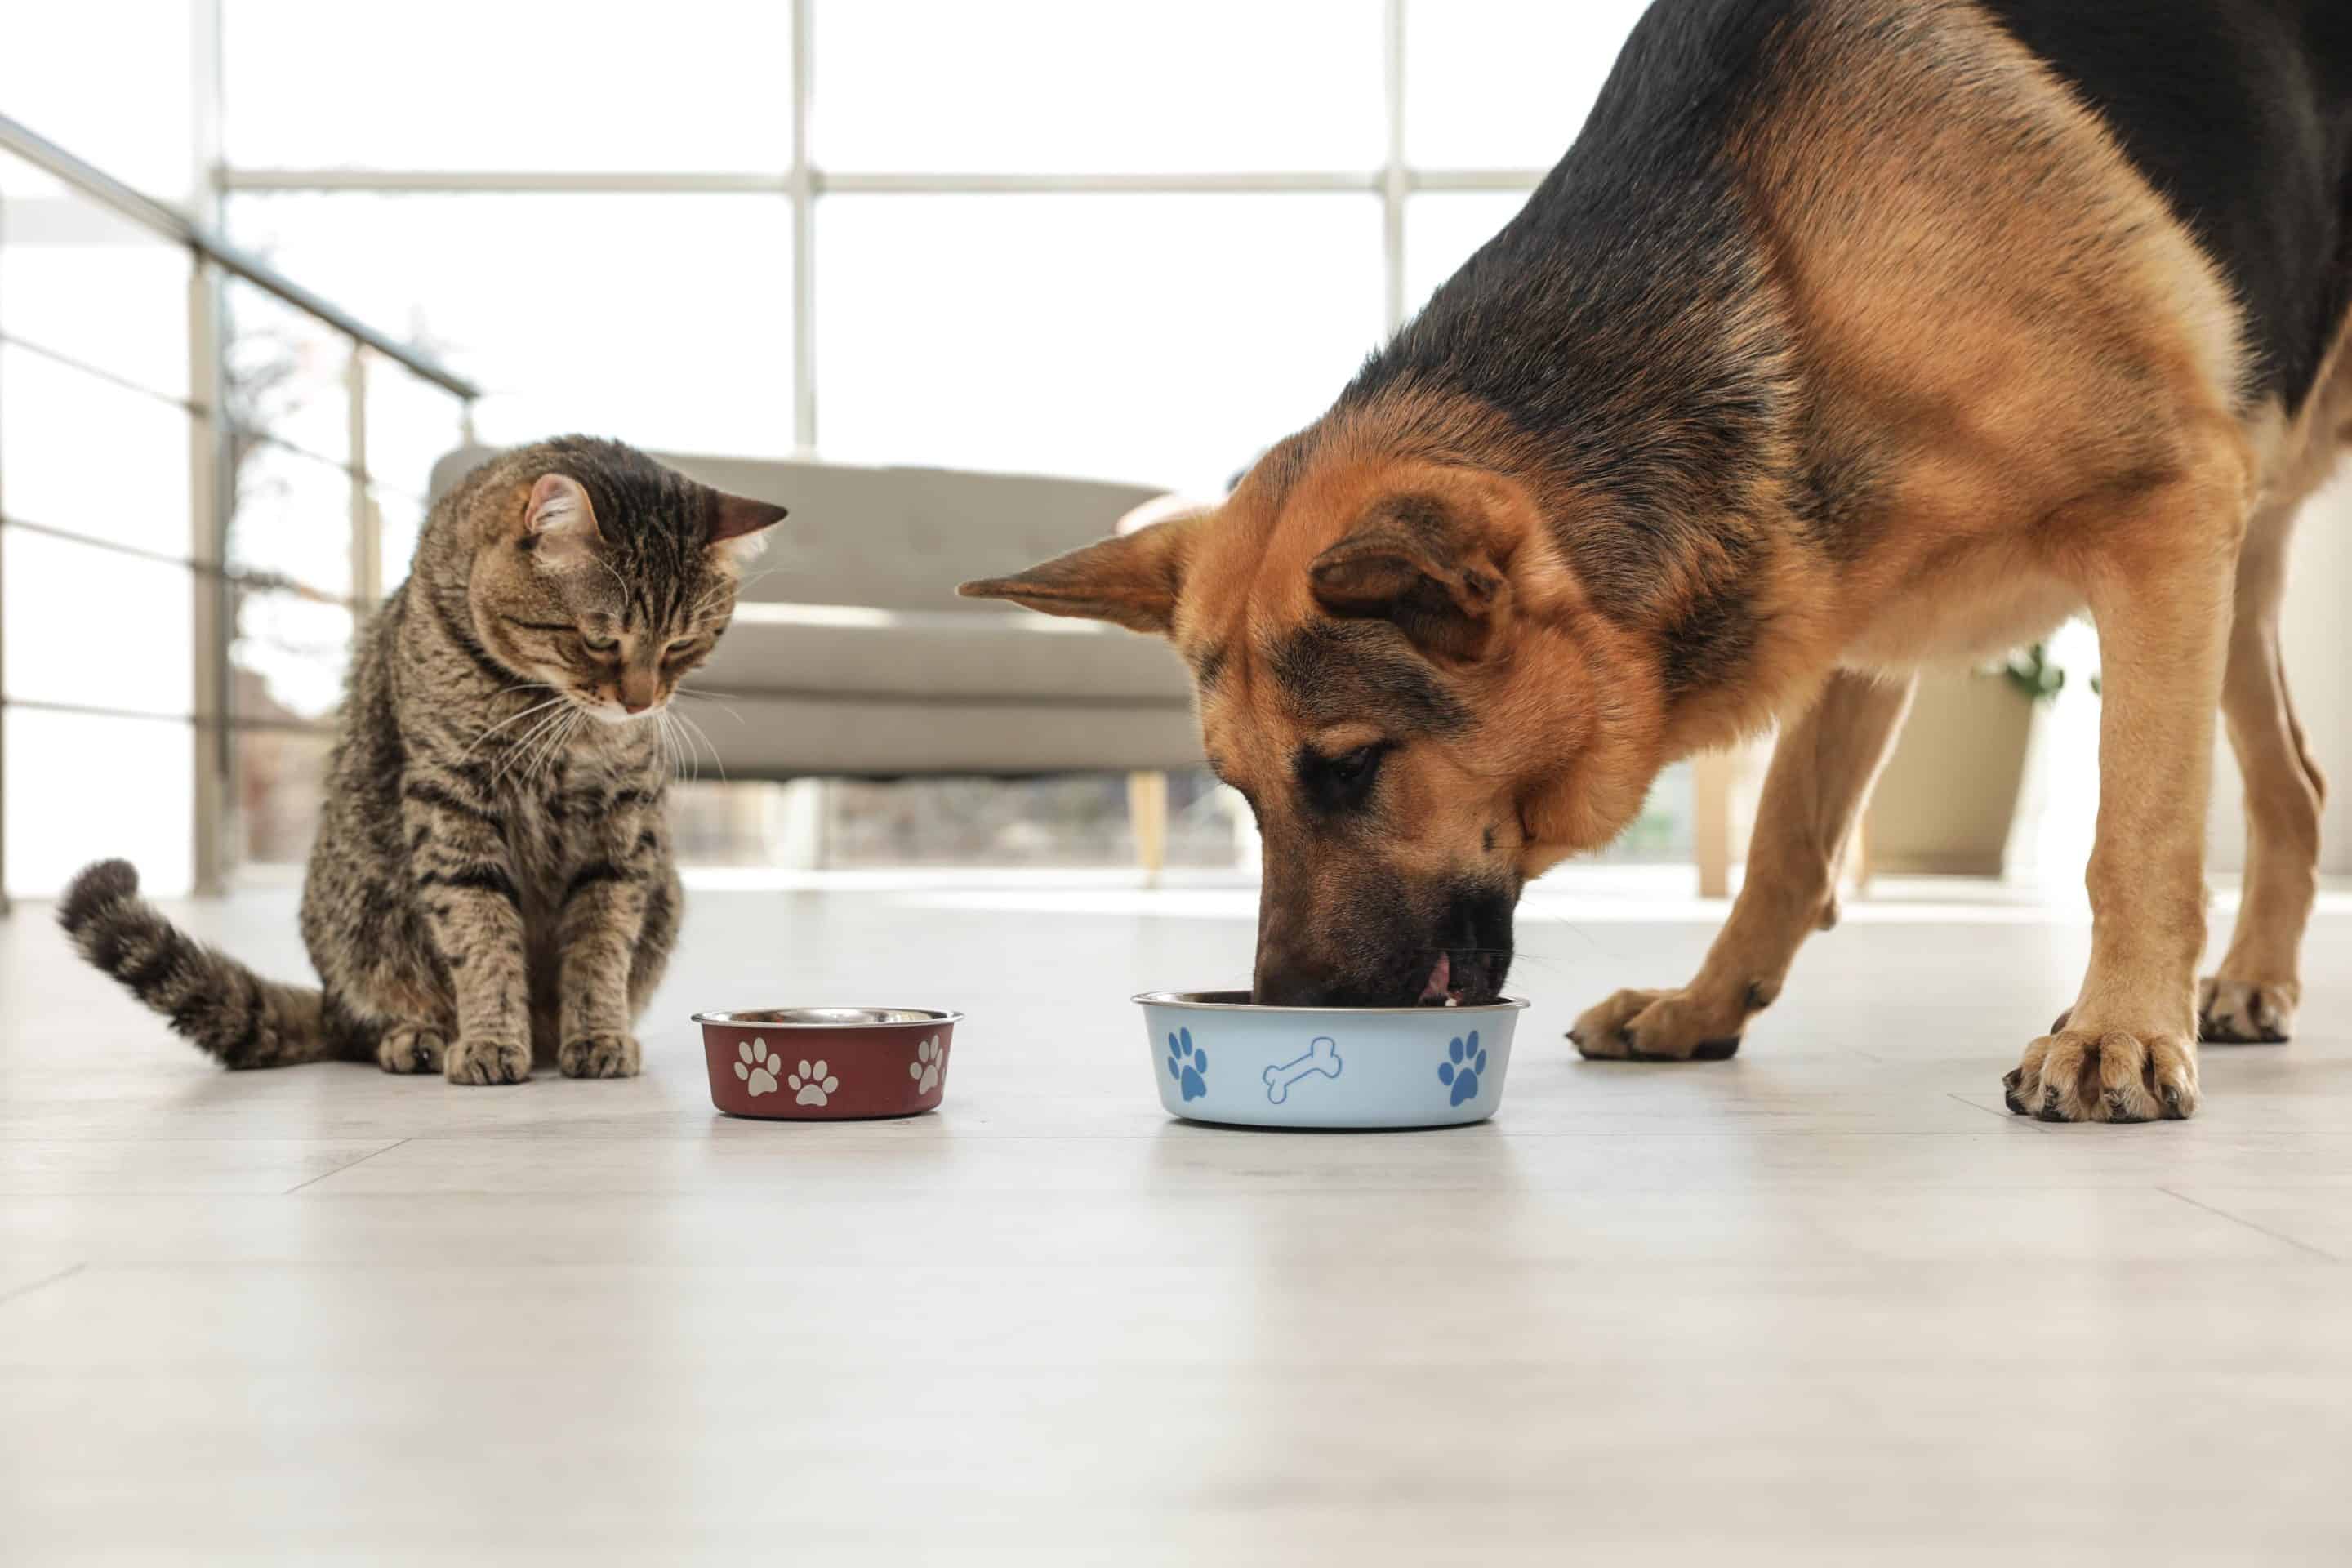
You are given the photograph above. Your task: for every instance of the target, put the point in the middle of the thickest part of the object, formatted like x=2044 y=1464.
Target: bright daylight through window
x=810 y=265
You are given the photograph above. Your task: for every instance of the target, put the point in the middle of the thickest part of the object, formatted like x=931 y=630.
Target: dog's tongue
x=1439 y=977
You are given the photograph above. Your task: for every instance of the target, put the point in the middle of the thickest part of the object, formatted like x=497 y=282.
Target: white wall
x=2318 y=643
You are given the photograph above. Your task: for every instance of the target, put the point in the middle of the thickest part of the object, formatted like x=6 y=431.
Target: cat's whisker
x=712 y=698
x=688 y=764
x=514 y=752
x=736 y=589
x=517 y=761
x=689 y=761
x=695 y=731
x=563 y=742
x=486 y=734
x=554 y=745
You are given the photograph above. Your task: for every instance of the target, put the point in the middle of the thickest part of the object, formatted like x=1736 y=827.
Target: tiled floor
x=1826 y=1303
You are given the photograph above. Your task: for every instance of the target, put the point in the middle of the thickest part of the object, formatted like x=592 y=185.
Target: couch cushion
x=792 y=737
x=1004 y=656
x=896 y=538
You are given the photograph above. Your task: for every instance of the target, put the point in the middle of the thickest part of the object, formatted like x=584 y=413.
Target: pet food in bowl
x=1217 y=1057
x=827 y=1064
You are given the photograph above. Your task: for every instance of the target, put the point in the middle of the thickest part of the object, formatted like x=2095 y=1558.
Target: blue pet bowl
x=1217 y=1058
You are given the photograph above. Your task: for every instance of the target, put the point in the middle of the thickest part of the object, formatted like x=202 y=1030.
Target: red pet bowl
x=827 y=1064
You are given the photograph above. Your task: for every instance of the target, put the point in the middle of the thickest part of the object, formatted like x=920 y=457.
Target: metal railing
x=214 y=266
x=170 y=222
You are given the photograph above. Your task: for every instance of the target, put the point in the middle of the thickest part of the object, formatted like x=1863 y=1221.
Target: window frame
x=1395 y=180
x=213 y=728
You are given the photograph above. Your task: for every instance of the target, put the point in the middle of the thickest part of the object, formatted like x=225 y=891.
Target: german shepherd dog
x=1851 y=336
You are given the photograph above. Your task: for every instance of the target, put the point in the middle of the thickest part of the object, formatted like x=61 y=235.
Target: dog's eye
x=1342 y=783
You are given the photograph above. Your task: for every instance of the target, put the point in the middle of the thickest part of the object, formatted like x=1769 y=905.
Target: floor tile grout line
x=346 y=1165
x=24 y=1290
x=1466 y=1135
x=2249 y=1224
x=2005 y=1116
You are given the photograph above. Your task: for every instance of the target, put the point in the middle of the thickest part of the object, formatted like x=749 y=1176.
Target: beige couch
x=851 y=655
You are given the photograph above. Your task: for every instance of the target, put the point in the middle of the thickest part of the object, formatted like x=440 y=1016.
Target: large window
x=188 y=536
x=1127 y=241
x=1137 y=241
x=98 y=552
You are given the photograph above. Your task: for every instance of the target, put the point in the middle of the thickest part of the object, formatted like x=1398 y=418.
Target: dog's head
x=1400 y=678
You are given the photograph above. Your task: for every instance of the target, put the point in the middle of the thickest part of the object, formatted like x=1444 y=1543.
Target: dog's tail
x=236 y=1016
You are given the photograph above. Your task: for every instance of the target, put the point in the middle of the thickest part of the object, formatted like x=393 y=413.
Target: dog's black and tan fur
x=1851 y=336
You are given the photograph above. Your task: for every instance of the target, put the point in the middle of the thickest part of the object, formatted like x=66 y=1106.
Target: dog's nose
x=1287 y=979
x=1284 y=977
x=1275 y=988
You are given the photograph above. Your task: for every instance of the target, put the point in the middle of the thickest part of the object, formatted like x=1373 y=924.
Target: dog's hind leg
x=1822 y=772
x=2252 y=995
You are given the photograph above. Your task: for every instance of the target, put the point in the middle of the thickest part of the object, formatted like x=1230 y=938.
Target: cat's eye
x=598 y=645
x=679 y=649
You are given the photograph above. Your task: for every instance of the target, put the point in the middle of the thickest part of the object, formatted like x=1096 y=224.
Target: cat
x=492 y=884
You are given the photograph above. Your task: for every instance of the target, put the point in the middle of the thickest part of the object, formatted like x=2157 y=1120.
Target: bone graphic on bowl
x=1323 y=1057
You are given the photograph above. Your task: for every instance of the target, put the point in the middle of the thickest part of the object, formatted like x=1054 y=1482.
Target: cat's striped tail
x=235 y=1015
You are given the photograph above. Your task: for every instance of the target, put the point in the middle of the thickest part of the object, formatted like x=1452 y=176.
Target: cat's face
x=610 y=578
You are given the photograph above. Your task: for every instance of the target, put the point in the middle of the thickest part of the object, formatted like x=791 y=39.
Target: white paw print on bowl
x=812 y=1086
x=757 y=1069
x=931 y=1060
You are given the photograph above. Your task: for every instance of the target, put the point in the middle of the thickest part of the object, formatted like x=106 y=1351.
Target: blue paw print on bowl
x=1463 y=1064
x=1188 y=1065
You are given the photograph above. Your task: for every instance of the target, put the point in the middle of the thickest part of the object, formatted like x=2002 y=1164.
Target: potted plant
x=1949 y=793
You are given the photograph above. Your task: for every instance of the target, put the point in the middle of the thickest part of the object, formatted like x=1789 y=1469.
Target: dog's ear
x=1133 y=580
x=1405 y=565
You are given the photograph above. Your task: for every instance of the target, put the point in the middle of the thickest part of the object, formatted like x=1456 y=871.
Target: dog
x=1851 y=337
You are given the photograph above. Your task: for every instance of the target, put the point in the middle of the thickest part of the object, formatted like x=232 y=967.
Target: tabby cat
x=492 y=882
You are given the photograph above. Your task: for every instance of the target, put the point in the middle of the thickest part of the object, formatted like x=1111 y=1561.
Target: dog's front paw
x=480 y=1060
x=2246 y=1012
x=2087 y=1074
x=1659 y=1026
x=404 y=1049
x=598 y=1056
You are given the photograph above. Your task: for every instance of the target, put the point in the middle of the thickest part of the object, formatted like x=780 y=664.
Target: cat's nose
x=637 y=690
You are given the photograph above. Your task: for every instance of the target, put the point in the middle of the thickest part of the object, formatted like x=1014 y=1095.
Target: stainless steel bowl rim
x=830 y=1017
x=1198 y=1002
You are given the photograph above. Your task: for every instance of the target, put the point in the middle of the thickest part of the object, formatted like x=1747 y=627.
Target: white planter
x=1948 y=797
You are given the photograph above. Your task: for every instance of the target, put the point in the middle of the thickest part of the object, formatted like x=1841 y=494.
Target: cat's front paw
x=404 y=1050
x=476 y=1059
x=598 y=1056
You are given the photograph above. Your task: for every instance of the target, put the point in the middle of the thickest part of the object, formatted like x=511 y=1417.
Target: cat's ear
x=739 y=524
x=559 y=520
